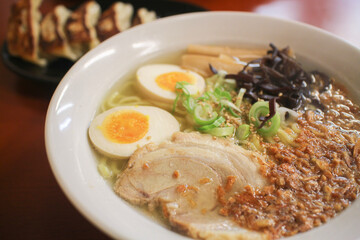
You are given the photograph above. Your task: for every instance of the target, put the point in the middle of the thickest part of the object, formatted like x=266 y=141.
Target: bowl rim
x=51 y=154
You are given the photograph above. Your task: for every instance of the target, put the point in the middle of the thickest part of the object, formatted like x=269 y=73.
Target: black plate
x=55 y=70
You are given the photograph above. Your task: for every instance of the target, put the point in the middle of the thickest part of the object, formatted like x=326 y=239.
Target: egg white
x=161 y=126
x=146 y=82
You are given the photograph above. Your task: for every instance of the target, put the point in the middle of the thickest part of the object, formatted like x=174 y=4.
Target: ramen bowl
x=80 y=93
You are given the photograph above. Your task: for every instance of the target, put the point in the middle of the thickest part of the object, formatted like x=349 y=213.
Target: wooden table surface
x=32 y=205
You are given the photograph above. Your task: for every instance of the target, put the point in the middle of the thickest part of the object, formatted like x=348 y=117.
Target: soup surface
x=290 y=139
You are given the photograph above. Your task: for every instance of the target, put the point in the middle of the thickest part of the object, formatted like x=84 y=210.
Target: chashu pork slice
x=182 y=177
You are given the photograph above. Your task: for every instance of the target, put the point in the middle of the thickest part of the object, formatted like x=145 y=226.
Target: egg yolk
x=125 y=126
x=167 y=81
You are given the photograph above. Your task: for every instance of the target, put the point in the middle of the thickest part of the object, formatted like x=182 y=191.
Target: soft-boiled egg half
x=118 y=132
x=158 y=81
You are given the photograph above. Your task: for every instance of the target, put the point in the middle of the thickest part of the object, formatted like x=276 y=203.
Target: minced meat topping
x=309 y=183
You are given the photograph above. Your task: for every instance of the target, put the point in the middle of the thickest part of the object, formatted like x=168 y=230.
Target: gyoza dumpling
x=53 y=39
x=23 y=31
x=143 y=16
x=80 y=27
x=114 y=20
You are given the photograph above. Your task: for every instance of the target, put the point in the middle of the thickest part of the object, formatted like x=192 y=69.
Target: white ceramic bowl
x=79 y=94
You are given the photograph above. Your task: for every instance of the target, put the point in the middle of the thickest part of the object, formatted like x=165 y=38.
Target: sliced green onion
x=213 y=97
x=189 y=103
x=230 y=84
x=221 y=131
x=220 y=80
x=261 y=109
x=240 y=97
x=222 y=107
x=215 y=124
x=229 y=104
x=175 y=102
x=233 y=113
x=211 y=81
x=243 y=132
x=230 y=107
x=257 y=110
x=182 y=86
x=205 y=97
x=220 y=94
x=204 y=115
